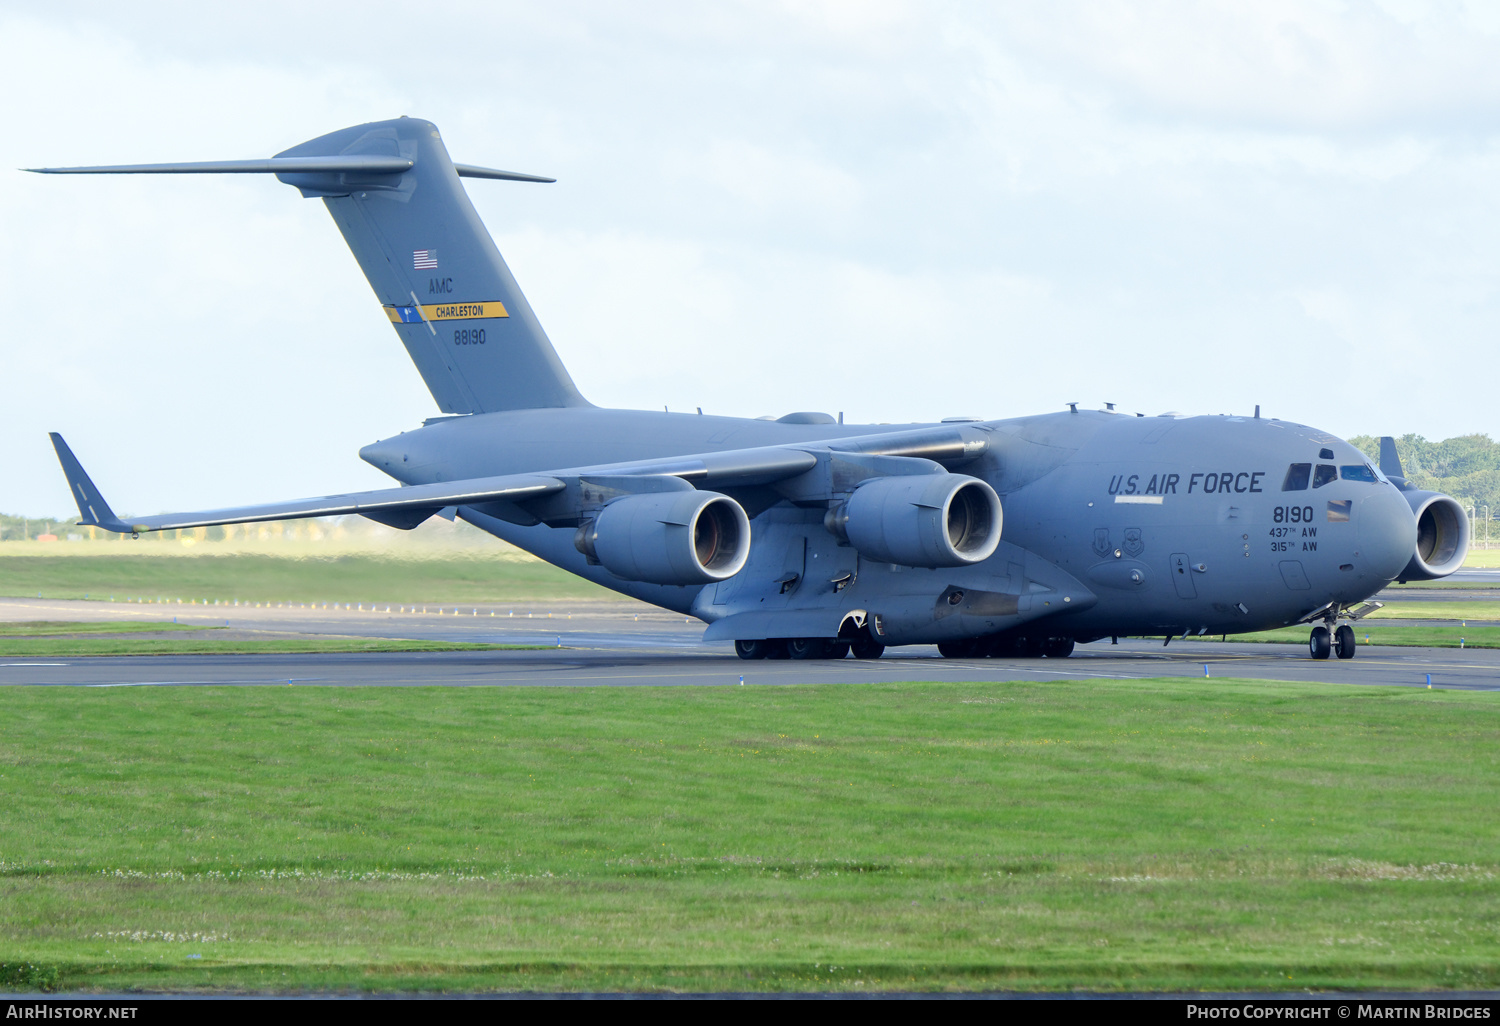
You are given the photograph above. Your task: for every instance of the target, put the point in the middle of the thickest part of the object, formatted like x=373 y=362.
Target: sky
x=900 y=211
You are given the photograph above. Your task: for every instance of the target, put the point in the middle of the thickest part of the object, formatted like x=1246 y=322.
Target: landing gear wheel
x=1001 y=646
x=1343 y=642
x=1057 y=648
x=751 y=649
x=964 y=648
x=837 y=649
x=866 y=648
x=807 y=648
x=1319 y=645
x=776 y=648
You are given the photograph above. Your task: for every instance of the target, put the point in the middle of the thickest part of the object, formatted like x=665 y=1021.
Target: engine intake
x=926 y=520
x=686 y=537
x=1442 y=536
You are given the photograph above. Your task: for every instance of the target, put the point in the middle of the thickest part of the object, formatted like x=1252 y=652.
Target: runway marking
x=33 y=664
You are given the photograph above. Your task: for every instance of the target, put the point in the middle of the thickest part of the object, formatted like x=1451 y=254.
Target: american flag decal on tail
x=423 y=259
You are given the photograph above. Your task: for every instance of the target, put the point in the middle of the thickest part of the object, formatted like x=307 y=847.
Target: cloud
x=898 y=210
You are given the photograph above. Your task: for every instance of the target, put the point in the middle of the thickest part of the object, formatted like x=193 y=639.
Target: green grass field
x=1373 y=632
x=1483 y=557
x=53 y=638
x=56 y=628
x=1438 y=611
x=1125 y=834
x=457 y=576
x=207 y=644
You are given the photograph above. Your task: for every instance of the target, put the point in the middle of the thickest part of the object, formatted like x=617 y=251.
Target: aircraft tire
x=750 y=649
x=1001 y=646
x=1343 y=642
x=1319 y=644
x=1029 y=648
x=807 y=648
x=1057 y=648
x=964 y=648
x=776 y=648
x=866 y=648
x=837 y=649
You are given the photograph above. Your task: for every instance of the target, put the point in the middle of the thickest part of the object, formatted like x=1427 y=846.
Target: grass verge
x=1121 y=834
x=1456 y=611
x=54 y=628
x=1373 y=632
x=57 y=648
x=459 y=577
x=55 y=638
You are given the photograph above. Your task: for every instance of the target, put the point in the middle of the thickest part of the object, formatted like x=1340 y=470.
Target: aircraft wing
x=406 y=507
x=394 y=503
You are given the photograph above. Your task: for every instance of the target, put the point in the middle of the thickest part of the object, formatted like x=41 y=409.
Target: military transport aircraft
x=808 y=538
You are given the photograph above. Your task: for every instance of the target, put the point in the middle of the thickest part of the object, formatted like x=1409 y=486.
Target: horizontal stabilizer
x=356 y=164
x=470 y=171
x=350 y=164
x=399 y=201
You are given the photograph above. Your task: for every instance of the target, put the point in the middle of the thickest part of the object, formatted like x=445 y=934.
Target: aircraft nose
x=1387 y=532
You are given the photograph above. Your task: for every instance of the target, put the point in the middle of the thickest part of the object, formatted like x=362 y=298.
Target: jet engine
x=1442 y=536
x=679 y=537
x=926 y=520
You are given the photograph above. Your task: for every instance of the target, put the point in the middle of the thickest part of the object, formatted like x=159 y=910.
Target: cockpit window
x=1296 y=477
x=1325 y=474
x=1359 y=472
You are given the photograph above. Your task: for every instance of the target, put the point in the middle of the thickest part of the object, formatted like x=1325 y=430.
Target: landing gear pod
x=685 y=537
x=1442 y=536
x=927 y=520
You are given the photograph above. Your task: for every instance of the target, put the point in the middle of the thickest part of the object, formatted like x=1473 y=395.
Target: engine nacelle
x=926 y=520
x=686 y=537
x=1442 y=536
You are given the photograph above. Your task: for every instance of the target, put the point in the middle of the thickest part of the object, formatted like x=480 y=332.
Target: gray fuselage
x=1113 y=525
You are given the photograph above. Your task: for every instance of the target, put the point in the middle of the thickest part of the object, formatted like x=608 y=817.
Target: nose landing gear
x=1326 y=641
x=1320 y=644
x=1343 y=642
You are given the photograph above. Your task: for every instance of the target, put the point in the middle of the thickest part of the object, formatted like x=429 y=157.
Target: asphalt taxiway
x=626 y=643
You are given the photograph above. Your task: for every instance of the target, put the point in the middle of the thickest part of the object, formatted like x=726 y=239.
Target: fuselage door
x=1182 y=576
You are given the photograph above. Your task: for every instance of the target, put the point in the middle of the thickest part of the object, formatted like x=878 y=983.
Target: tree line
x=1466 y=467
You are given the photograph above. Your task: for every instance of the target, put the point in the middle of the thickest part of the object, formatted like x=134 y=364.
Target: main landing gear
x=1324 y=642
x=1002 y=645
x=863 y=647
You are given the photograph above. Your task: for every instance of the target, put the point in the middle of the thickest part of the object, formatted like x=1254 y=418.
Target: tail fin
x=396 y=196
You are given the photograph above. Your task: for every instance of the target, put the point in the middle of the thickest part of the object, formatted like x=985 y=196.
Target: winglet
x=95 y=512
x=1390 y=462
